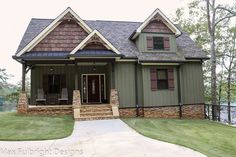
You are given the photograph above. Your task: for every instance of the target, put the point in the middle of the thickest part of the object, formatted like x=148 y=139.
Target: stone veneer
x=76 y=103
x=50 y=110
x=193 y=111
x=162 y=112
x=190 y=111
x=114 y=102
x=22 y=106
x=131 y=112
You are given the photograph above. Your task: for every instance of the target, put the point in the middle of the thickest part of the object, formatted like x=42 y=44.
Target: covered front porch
x=88 y=84
x=94 y=78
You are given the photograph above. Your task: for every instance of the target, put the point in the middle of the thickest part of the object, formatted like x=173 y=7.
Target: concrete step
x=95 y=118
x=104 y=113
x=95 y=108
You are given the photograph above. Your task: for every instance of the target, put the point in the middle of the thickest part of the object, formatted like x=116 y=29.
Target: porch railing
x=225 y=113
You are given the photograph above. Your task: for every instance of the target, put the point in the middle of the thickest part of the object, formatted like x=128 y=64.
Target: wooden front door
x=93 y=88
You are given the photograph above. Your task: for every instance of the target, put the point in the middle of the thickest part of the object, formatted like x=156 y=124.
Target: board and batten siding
x=192 y=83
x=125 y=83
x=159 y=97
x=140 y=85
x=37 y=79
x=141 y=42
x=38 y=72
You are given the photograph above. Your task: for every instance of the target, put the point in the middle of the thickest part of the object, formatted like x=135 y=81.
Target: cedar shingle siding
x=156 y=26
x=65 y=37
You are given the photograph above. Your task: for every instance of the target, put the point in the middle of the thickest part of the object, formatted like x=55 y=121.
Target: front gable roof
x=167 y=22
x=67 y=14
x=95 y=33
x=117 y=33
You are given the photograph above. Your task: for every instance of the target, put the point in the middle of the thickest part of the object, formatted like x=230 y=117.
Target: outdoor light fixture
x=51 y=69
x=94 y=67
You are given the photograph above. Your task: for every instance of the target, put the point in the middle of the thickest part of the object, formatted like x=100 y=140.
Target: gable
x=68 y=15
x=157 y=21
x=65 y=37
x=95 y=40
x=157 y=25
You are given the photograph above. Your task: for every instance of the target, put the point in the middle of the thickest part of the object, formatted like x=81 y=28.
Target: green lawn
x=210 y=138
x=20 y=127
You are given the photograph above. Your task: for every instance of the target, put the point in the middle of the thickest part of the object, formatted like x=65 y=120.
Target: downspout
x=179 y=91
x=136 y=89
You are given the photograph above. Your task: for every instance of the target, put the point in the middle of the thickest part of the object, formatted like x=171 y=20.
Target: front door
x=93 y=89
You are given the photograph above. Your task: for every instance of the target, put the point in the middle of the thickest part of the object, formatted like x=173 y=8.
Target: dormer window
x=158 y=43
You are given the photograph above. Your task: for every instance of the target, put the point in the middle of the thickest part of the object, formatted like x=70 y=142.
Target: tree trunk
x=229 y=95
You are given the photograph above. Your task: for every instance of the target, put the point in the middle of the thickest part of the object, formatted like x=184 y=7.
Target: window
x=162 y=79
x=158 y=43
x=54 y=83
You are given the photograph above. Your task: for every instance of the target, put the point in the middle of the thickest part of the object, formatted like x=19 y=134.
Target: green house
x=107 y=69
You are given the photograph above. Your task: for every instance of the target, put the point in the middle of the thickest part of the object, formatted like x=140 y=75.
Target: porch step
x=95 y=108
x=95 y=112
x=95 y=118
x=104 y=113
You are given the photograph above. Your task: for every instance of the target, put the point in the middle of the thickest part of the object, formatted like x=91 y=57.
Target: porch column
x=23 y=77
x=76 y=76
x=113 y=75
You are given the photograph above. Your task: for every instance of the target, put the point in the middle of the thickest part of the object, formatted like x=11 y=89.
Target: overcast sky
x=16 y=14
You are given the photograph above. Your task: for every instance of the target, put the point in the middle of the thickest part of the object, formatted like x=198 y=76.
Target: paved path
x=101 y=138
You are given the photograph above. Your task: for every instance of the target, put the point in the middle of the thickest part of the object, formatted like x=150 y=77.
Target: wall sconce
x=94 y=67
x=51 y=69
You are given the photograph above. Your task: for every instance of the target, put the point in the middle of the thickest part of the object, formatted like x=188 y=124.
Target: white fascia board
x=170 y=25
x=50 y=27
x=81 y=45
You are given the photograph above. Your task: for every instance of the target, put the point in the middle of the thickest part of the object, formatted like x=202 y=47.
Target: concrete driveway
x=100 y=138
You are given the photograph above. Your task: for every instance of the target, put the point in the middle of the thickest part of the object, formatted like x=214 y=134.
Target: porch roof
x=66 y=54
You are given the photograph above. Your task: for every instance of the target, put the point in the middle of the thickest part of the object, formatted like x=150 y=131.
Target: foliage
x=13 y=96
x=193 y=20
x=3 y=78
x=20 y=127
x=210 y=138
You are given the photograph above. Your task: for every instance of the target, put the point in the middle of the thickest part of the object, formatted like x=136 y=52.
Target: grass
x=21 y=127
x=210 y=138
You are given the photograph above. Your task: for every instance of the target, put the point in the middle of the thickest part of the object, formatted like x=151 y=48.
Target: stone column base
x=22 y=106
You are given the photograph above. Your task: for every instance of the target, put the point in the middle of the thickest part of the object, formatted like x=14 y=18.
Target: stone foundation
x=127 y=112
x=131 y=112
x=193 y=111
x=162 y=112
x=50 y=111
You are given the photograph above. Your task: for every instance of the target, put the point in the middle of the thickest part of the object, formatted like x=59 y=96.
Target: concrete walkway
x=100 y=138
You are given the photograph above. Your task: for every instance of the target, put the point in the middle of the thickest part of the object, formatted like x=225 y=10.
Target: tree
x=229 y=62
x=215 y=15
x=3 y=78
x=13 y=97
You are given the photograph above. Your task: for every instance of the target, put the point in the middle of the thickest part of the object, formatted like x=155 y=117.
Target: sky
x=16 y=14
